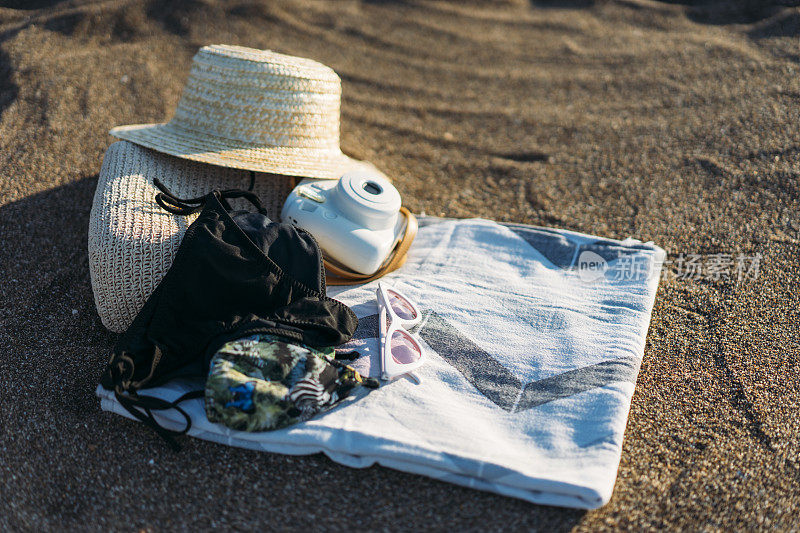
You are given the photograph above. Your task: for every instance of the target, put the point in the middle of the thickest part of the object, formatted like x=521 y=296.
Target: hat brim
x=186 y=144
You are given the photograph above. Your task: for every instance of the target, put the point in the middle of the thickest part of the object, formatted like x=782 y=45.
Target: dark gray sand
x=663 y=121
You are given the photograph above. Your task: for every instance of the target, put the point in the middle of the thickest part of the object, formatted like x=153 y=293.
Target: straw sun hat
x=254 y=110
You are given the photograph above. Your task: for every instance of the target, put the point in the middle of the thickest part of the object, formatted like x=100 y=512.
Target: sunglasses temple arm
x=382 y=339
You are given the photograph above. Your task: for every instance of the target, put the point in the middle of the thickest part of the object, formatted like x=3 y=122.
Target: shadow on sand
x=717 y=12
x=8 y=89
x=29 y=5
x=734 y=11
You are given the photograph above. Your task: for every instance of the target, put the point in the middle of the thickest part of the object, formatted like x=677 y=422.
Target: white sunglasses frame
x=390 y=369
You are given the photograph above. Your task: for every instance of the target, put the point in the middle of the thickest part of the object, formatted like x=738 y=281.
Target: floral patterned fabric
x=265 y=382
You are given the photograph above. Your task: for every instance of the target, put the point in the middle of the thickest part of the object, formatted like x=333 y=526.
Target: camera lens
x=372 y=187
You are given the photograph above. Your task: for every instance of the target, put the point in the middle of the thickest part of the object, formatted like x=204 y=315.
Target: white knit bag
x=132 y=240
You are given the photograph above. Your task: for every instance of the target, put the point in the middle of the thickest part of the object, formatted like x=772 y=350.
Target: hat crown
x=261 y=97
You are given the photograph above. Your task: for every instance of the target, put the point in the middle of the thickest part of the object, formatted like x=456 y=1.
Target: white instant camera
x=356 y=220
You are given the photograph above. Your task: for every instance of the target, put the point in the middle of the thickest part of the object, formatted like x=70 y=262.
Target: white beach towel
x=534 y=341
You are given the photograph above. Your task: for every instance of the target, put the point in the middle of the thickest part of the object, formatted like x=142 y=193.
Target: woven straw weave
x=256 y=110
x=132 y=241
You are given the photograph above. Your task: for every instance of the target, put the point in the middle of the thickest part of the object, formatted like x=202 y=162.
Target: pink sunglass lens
x=401 y=306
x=404 y=349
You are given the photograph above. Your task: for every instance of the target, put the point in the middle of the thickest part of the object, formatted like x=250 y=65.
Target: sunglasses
x=401 y=354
